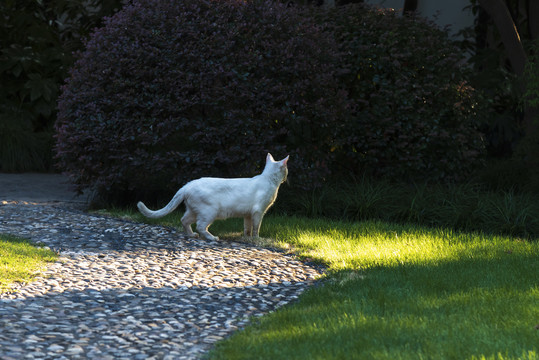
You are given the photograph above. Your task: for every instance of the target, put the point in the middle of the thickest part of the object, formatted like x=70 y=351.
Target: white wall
x=394 y=4
x=448 y=12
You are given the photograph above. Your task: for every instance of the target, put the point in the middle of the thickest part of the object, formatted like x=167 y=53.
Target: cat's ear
x=285 y=160
x=269 y=158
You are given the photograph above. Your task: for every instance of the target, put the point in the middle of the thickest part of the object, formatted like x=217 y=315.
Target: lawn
x=392 y=292
x=20 y=260
x=396 y=292
x=402 y=292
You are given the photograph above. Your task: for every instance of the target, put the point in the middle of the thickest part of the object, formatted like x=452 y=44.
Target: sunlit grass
x=396 y=292
x=402 y=292
x=20 y=260
x=364 y=245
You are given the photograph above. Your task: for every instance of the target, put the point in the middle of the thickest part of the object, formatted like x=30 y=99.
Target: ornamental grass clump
x=169 y=91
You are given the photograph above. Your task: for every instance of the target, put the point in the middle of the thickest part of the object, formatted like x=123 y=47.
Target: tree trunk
x=503 y=21
x=501 y=17
x=533 y=18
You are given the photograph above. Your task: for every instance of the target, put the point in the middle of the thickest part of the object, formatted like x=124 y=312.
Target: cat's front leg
x=247 y=226
x=257 y=221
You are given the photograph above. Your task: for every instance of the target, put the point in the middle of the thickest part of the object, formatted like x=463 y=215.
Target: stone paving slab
x=38 y=188
x=124 y=290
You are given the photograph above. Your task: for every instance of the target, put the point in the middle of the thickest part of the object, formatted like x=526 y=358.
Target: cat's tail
x=171 y=206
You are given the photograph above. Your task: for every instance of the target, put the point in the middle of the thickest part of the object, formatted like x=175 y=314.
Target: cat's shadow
x=262 y=242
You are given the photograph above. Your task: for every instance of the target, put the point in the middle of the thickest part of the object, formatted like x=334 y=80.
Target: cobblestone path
x=124 y=290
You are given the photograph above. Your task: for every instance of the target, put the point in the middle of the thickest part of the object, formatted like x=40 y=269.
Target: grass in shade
x=20 y=260
x=395 y=292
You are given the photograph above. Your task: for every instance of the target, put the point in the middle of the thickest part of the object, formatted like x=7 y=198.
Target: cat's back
x=220 y=185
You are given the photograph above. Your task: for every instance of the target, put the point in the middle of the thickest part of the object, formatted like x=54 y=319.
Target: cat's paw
x=194 y=235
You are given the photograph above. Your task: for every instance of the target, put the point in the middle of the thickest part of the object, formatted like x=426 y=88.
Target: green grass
x=403 y=292
x=396 y=292
x=20 y=260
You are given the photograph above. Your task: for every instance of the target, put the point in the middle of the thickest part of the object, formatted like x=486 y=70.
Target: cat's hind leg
x=247 y=226
x=187 y=219
x=202 y=226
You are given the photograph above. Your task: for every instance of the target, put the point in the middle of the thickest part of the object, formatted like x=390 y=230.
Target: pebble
x=125 y=290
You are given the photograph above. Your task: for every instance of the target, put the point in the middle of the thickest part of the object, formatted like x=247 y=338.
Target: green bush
x=508 y=174
x=36 y=41
x=531 y=76
x=526 y=157
x=21 y=148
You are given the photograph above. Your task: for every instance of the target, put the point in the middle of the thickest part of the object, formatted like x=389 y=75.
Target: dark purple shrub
x=415 y=115
x=168 y=91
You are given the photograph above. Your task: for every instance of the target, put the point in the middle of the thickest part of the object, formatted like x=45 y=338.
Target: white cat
x=208 y=199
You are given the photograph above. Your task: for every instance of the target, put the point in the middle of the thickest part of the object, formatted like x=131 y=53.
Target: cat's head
x=277 y=168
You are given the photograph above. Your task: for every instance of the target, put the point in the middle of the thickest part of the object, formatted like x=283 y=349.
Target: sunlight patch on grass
x=20 y=260
x=369 y=245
